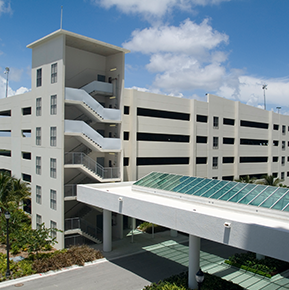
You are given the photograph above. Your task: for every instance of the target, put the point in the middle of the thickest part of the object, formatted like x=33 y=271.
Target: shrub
x=147 y=227
x=73 y=256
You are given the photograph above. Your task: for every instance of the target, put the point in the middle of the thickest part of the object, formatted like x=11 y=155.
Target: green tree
x=246 y=179
x=270 y=180
x=13 y=191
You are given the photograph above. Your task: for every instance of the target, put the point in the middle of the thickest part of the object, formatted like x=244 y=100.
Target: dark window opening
x=125 y=135
x=283 y=129
x=162 y=114
x=257 y=176
x=4 y=152
x=125 y=161
x=253 y=159
x=215 y=122
x=26 y=111
x=228 y=159
x=26 y=155
x=252 y=124
x=227 y=121
x=26 y=133
x=5 y=171
x=201 y=160
x=163 y=137
x=39 y=77
x=254 y=142
x=275 y=127
x=201 y=139
x=26 y=177
x=275 y=174
x=162 y=160
x=27 y=205
x=228 y=141
x=275 y=158
x=287 y=173
x=5 y=113
x=101 y=78
x=275 y=142
x=230 y=178
x=202 y=118
x=126 y=110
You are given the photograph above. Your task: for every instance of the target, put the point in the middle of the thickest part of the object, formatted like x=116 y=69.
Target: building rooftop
x=82 y=42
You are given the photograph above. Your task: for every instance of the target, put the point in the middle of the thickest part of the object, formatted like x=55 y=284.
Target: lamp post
x=7 y=70
x=200 y=278
x=7 y=216
x=264 y=87
x=278 y=108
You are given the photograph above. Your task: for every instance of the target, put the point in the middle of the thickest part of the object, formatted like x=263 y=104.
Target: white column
x=194 y=260
x=107 y=230
x=174 y=233
x=133 y=225
x=119 y=219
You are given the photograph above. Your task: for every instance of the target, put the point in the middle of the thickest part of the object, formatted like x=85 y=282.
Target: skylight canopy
x=244 y=193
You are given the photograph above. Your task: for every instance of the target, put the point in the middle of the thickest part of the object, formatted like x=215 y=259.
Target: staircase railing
x=73 y=126
x=84 y=226
x=96 y=168
x=69 y=190
x=82 y=96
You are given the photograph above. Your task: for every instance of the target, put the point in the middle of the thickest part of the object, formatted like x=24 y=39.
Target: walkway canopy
x=247 y=216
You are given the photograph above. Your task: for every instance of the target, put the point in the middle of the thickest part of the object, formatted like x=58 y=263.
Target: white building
x=79 y=125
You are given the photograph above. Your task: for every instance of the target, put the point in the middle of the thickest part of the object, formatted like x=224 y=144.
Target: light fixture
x=112 y=125
x=111 y=153
x=113 y=97
x=264 y=87
x=113 y=69
x=227 y=225
x=200 y=278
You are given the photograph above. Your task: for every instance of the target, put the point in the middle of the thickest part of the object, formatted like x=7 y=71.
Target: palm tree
x=270 y=180
x=13 y=191
x=246 y=179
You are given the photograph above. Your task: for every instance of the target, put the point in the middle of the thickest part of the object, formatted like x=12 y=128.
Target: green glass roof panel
x=172 y=183
x=147 y=179
x=233 y=191
x=211 y=191
x=189 y=185
x=198 y=186
x=269 y=202
x=261 y=197
x=282 y=202
x=248 y=194
x=184 y=180
x=240 y=195
x=206 y=187
x=223 y=190
x=252 y=194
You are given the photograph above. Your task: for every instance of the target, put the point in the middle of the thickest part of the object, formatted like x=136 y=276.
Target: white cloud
x=154 y=8
x=248 y=89
x=189 y=38
x=11 y=92
x=184 y=58
x=5 y=7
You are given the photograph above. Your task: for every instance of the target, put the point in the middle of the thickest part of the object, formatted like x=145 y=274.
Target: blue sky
x=185 y=48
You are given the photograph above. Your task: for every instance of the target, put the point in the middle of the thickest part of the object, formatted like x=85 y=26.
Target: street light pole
x=264 y=87
x=7 y=70
x=200 y=278
x=7 y=216
x=278 y=108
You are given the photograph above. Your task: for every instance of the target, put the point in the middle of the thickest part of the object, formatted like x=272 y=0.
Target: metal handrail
x=83 y=159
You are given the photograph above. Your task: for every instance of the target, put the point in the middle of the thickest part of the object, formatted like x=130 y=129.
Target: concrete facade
x=79 y=125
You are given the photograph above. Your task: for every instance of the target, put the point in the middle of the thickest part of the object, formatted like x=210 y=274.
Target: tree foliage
x=270 y=180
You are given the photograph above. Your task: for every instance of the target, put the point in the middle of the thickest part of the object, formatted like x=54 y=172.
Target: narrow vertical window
x=39 y=77
x=53 y=105
x=53 y=167
x=215 y=142
x=215 y=122
x=53 y=226
x=53 y=199
x=215 y=162
x=38 y=194
x=54 y=73
x=38 y=107
x=283 y=129
x=38 y=165
x=38 y=136
x=38 y=221
x=52 y=136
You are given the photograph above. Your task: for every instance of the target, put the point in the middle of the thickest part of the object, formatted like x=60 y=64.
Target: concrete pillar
x=133 y=226
x=107 y=235
x=194 y=260
x=174 y=233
